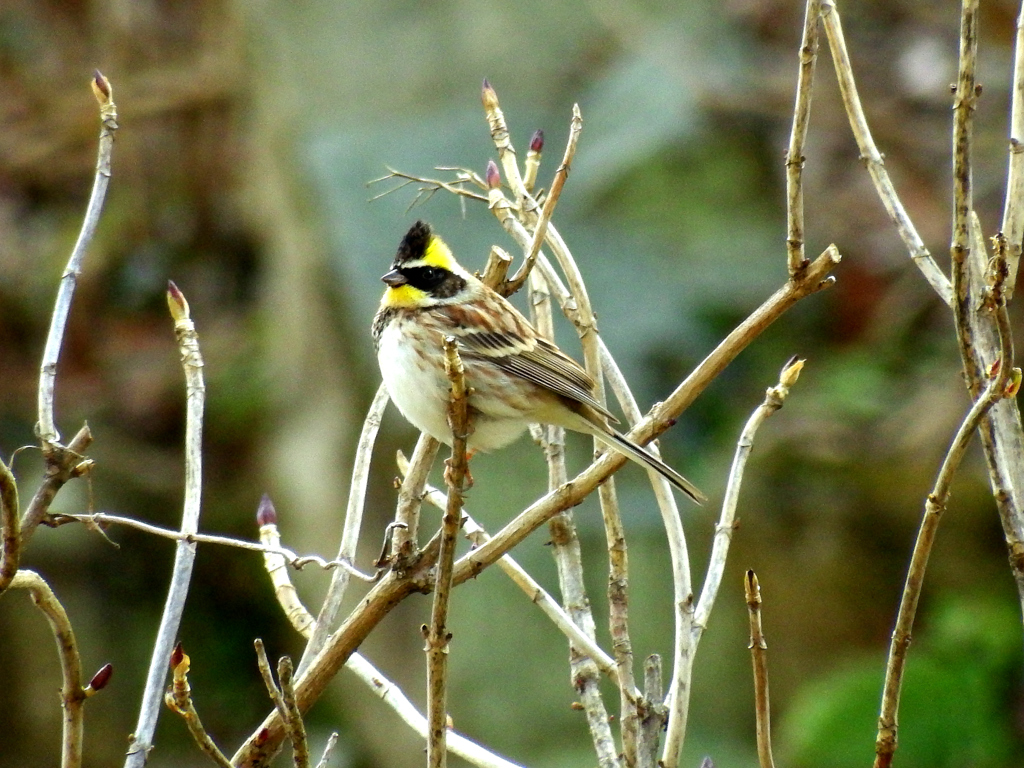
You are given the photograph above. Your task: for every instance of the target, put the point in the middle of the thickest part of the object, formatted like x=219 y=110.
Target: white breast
x=416 y=383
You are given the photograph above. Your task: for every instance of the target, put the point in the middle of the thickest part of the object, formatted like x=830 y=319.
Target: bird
x=516 y=376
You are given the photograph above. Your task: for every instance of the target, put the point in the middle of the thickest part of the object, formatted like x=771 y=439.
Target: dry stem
x=54 y=339
x=436 y=634
x=350 y=532
x=773 y=401
x=10 y=527
x=795 y=154
x=873 y=158
x=179 y=699
x=1013 y=206
x=566 y=551
x=72 y=695
x=660 y=418
x=184 y=556
x=759 y=658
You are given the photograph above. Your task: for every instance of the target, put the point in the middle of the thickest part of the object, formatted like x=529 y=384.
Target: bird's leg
x=469 y=475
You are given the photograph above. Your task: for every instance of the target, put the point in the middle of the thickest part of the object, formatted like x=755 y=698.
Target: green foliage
x=954 y=706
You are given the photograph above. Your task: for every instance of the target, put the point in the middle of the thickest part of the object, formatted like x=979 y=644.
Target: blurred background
x=248 y=134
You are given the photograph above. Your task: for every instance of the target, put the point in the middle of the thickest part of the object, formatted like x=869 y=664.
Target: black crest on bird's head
x=414 y=244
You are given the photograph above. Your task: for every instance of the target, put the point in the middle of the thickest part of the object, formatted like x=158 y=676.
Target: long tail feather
x=614 y=440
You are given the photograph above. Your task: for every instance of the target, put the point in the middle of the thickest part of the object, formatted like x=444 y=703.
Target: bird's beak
x=394 y=278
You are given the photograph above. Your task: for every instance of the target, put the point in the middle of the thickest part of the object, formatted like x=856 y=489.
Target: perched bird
x=517 y=377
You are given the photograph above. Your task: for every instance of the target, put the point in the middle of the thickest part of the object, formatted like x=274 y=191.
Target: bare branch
x=541 y=227
x=295 y=560
x=332 y=742
x=292 y=717
x=1013 y=206
x=350 y=532
x=392 y=695
x=407 y=514
x=965 y=101
x=885 y=744
x=10 y=527
x=567 y=553
x=797 y=137
x=102 y=90
x=184 y=556
x=873 y=158
x=660 y=418
x=71 y=694
x=179 y=700
x=773 y=401
x=436 y=633
x=62 y=464
x=758 y=655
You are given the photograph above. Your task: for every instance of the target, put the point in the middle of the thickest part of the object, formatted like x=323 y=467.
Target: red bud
x=100 y=679
x=493 y=176
x=265 y=512
x=177 y=655
x=537 y=141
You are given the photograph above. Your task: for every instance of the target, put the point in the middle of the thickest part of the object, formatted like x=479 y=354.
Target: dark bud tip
x=100 y=679
x=537 y=141
x=493 y=176
x=265 y=512
x=177 y=655
x=176 y=302
x=489 y=96
x=102 y=84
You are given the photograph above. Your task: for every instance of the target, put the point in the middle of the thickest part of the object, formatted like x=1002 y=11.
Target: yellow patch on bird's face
x=403 y=297
x=437 y=254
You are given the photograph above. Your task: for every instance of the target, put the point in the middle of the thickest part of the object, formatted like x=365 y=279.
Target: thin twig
x=392 y=695
x=533 y=590
x=885 y=744
x=395 y=587
x=1003 y=383
x=503 y=143
x=436 y=633
x=328 y=751
x=407 y=513
x=62 y=464
x=72 y=694
x=295 y=560
x=10 y=527
x=567 y=553
x=963 y=203
x=798 y=136
x=292 y=717
x=432 y=185
x=653 y=712
x=541 y=227
x=874 y=160
x=350 y=531
x=683 y=646
x=759 y=658
x=54 y=339
x=184 y=556
x=1013 y=205
x=302 y=620
x=659 y=419
x=179 y=700
x=773 y=401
